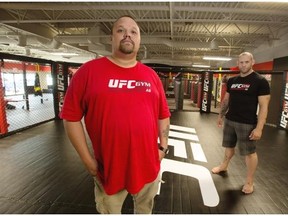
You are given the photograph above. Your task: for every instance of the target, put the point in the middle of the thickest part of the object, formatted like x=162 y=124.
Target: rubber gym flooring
x=42 y=174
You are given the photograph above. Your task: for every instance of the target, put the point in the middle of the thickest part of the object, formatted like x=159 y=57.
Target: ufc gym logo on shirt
x=243 y=87
x=130 y=85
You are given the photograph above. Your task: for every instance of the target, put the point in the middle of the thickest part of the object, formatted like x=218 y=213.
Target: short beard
x=125 y=50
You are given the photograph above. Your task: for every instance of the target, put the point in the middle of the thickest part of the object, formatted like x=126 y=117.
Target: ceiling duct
x=91 y=35
x=55 y=44
x=175 y=44
x=7 y=40
x=22 y=40
x=100 y=38
x=52 y=44
x=99 y=49
x=214 y=45
x=27 y=52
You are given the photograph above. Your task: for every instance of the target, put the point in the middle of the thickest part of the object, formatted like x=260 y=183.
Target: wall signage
x=284 y=113
x=207 y=85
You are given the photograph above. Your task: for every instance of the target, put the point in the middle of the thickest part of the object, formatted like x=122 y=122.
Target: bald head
x=245 y=63
x=124 y=16
x=247 y=54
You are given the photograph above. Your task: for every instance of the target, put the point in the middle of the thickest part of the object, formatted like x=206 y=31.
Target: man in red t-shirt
x=125 y=112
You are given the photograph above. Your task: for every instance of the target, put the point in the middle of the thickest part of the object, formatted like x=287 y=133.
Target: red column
x=3 y=119
x=192 y=91
x=223 y=90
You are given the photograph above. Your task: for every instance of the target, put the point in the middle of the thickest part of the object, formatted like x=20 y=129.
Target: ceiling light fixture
x=217 y=58
x=200 y=66
x=65 y=54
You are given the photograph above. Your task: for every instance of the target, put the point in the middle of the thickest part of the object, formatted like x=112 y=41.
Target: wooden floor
x=40 y=172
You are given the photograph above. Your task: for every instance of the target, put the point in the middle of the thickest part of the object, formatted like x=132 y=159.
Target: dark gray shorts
x=234 y=133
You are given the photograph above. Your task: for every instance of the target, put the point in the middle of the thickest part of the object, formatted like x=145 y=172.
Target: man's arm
x=223 y=109
x=163 y=133
x=263 y=102
x=76 y=135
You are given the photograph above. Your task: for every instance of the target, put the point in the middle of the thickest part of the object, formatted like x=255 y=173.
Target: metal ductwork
x=22 y=40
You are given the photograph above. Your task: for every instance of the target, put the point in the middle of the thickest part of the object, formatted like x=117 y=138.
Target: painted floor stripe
x=183 y=129
x=198 y=153
x=183 y=136
x=202 y=174
x=179 y=147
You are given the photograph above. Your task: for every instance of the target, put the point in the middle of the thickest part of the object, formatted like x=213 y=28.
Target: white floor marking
x=183 y=136
x=183 y=129
x=202 y=174
x=197 y=151
x=179 y=147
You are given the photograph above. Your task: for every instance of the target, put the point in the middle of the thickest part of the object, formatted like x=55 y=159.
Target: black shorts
x=238 y=133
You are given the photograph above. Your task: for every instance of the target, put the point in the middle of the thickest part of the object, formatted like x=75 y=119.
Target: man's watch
x=165 y=150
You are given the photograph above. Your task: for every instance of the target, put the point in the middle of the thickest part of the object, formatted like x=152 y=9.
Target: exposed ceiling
x=174 y=33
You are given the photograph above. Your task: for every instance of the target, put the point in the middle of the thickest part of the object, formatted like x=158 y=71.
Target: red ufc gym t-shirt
x=121 y=107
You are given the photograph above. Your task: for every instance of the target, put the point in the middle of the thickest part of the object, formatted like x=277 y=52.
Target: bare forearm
x=224 y=106
x=76 y=135
x=263 y=111
x=262 y=115
x=164 y=125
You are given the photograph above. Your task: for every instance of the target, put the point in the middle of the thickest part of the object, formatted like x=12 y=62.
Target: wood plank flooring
x=40 y=172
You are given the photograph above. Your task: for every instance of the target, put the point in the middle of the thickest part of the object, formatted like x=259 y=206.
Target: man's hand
x=92 y=167
x=220 y=121
x=161 y=155
x=255 y=134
